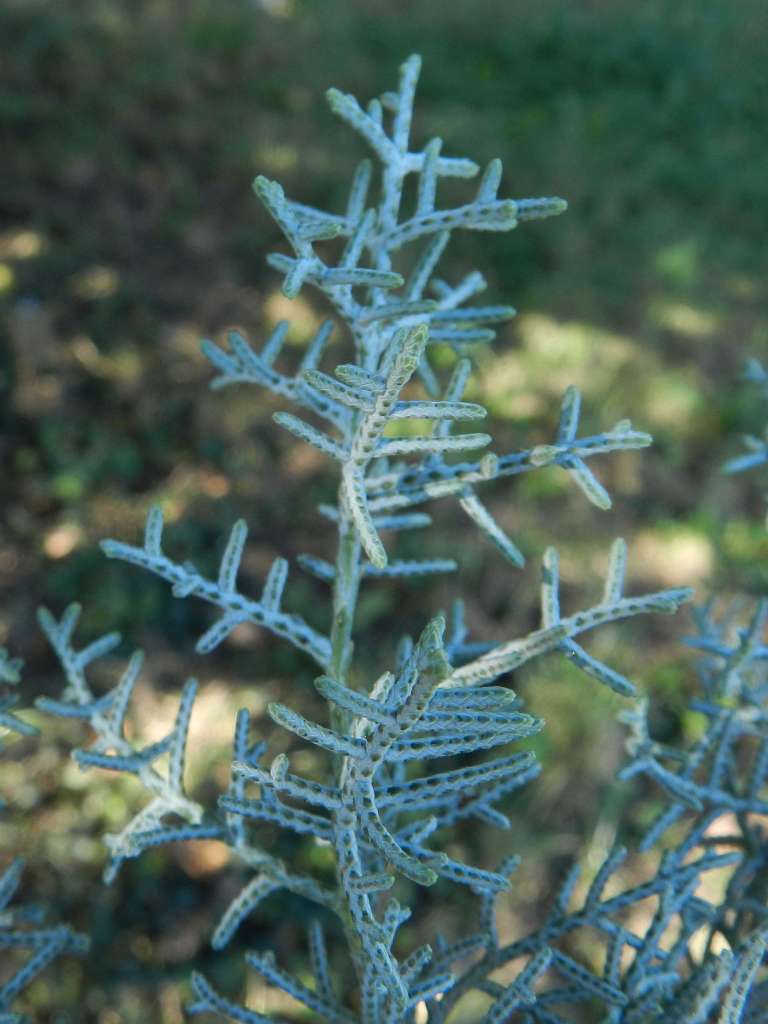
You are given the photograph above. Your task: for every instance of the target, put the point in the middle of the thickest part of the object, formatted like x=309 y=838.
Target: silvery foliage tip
x=756 y=454
x=10 y=676
x=382 y=806
x=22 y=925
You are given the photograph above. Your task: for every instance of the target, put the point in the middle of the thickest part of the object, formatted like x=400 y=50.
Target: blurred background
x=130 y=132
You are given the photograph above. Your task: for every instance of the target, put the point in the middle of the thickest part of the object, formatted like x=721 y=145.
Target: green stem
x=345 y=591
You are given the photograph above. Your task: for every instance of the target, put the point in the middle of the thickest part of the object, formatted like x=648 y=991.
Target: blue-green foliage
x=757 y=447
x=20 y=924
x=10 y=676
x=382 y=806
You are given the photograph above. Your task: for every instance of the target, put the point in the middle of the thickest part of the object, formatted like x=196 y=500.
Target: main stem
x=345 y=591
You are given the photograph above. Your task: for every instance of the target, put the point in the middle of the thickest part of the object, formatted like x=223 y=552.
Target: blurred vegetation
x=130 y=133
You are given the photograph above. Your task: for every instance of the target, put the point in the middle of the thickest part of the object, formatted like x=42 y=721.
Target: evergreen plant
x=435 y=739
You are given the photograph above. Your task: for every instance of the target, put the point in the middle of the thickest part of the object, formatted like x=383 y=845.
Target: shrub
x=397 y=776
x=18 y=931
